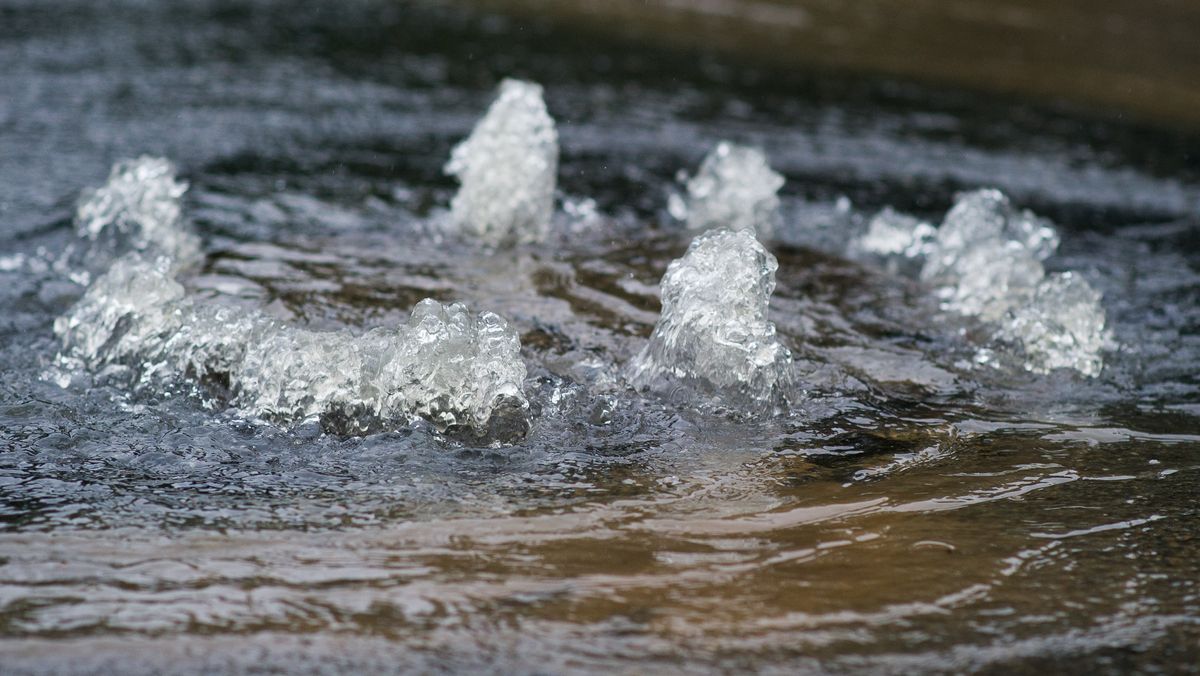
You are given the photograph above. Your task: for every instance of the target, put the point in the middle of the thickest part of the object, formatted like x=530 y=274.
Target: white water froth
x=507 y=169
x=897 y=238
x=1062 y=326
x=987 y=256
x=139 y=208
x=736 y=189
x=713 y=337
x=986 y=261
x=460 y=371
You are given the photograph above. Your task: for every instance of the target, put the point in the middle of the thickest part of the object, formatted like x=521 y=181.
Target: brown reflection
x=1140 y=57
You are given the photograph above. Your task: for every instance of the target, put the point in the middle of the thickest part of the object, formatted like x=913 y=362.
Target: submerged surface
x=924 y=502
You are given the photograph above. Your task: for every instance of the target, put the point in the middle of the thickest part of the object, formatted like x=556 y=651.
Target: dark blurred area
x=1128 y=58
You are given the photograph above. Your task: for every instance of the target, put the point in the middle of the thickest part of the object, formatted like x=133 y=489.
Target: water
x=735 y=188
x=914 y=510
x=508 y=167
x=713 y=344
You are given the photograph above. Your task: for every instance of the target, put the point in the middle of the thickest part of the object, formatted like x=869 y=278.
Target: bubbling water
x=713 y=339
x=986 y=261
x=138 y=208
x=713 y=344
x=507 y=167
x=736 y=189
x=987 y=256
x=460 y=371
x=899 y=239
x=1062 y=326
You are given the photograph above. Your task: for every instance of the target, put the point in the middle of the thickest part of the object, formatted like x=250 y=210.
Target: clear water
x=915 y=511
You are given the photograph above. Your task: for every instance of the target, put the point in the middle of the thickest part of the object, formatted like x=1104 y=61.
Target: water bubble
x=507 y=169
x=713 y=338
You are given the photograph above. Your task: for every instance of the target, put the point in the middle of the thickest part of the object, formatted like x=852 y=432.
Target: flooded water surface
x=917 y=471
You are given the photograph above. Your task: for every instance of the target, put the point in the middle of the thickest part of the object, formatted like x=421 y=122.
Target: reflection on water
x=911 y=513
x=1009 y=547
x=1127 y=56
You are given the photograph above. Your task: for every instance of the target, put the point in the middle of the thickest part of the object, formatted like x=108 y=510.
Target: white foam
x=896 y=238
x=713 y=336
x=139 y=208
x=985 y=260
x=459 y=370
x=507 y=169
x=1062 y=326
x=736 y=189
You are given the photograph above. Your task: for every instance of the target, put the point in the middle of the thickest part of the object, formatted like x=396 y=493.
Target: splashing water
x=123 y=311
x=736 y=189
x=507 y=168
x=1062 y=326
x=899 y=239
x=987 y=256
x=714 y=339
x=459 y=371
x=986 y=261
x=138 y=209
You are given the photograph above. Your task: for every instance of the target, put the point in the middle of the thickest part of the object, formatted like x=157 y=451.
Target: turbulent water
x=924 y=396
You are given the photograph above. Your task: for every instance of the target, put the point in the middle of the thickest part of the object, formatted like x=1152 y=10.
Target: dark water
x=912 y=514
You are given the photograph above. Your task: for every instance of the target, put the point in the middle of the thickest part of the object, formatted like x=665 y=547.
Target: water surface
x=913 y=512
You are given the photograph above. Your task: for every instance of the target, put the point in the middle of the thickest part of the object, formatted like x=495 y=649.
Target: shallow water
x=914 y=511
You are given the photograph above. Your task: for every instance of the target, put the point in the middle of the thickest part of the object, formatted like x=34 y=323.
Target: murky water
x=914 y=511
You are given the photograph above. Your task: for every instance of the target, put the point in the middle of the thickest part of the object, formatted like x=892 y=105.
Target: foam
x=459 y=370
x=507 y=169
x=735 y=188
x=139 y=208
x=713 y=337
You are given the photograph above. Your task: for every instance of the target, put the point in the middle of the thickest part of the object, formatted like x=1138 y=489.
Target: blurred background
x=1123 y=57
